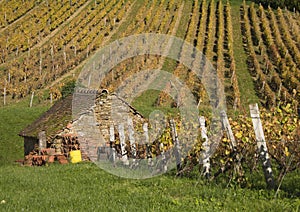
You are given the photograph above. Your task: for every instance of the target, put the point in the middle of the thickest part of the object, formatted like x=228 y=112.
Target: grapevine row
x=270 y=69
x=145 y=61
x=193 y=81
x=280 y=58
x=180 y=71
x=293 y=49
x=211 y=30
x=140 y=19
x=263 y=89
x=34 y=27
x=232 y=74
x=14 y=10
x=49 y=63
x=293 y=26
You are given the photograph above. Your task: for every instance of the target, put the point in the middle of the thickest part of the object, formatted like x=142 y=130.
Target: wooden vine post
x=4 y=96
x=40 y=62
x=163 y=157
x=112 y=143
x=148 y=145
x=235 y=155
x=176 y=144
x=205 y=156
x=42 y=141
x=262 y=146
x=31 y=99
x=123 y=144
x=51 y=98
x=131 y=139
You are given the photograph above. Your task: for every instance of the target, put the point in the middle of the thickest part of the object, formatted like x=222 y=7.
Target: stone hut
x=94 y=125
x=51 y=122
x=90 y=125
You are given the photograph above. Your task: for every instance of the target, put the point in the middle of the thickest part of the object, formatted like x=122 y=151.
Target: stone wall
x=92 y=126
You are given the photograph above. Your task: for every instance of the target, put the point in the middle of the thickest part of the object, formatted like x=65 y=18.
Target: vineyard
x=39 y=57
x=42 y=41
x=45 y=44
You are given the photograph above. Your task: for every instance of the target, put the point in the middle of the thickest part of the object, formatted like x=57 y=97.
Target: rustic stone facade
x=90 y=116
x=93 y=126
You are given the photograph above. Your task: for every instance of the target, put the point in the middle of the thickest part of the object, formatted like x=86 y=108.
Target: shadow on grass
x=254 y=181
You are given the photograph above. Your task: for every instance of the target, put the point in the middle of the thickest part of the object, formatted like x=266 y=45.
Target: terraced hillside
x=256 y=51
x=43 y=42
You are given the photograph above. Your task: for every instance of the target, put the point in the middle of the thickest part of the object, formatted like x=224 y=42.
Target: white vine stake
x=122 y=142
x=262 y=146
x=131 y=138
x=205 y=156
x=4 y=97
x=42 y=141
x=31 y=99
x=112 y=141
x=176 y=144
x=148 y=149
x=228 y=130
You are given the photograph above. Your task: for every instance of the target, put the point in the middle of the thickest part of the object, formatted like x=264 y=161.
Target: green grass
x=145 y=103
x=14 y=117
x=79 y=187
x=245 y=82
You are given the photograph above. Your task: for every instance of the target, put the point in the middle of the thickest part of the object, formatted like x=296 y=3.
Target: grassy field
x=13 y=119
x=84 y=186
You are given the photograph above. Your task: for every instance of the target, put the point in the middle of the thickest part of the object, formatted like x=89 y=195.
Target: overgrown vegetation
x=68 y=88
x=290 y=4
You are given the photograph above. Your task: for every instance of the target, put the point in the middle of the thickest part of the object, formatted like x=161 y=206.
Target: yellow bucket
x=75 y=156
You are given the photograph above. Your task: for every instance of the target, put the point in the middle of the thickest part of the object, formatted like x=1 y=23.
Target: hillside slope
x=255 y=50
